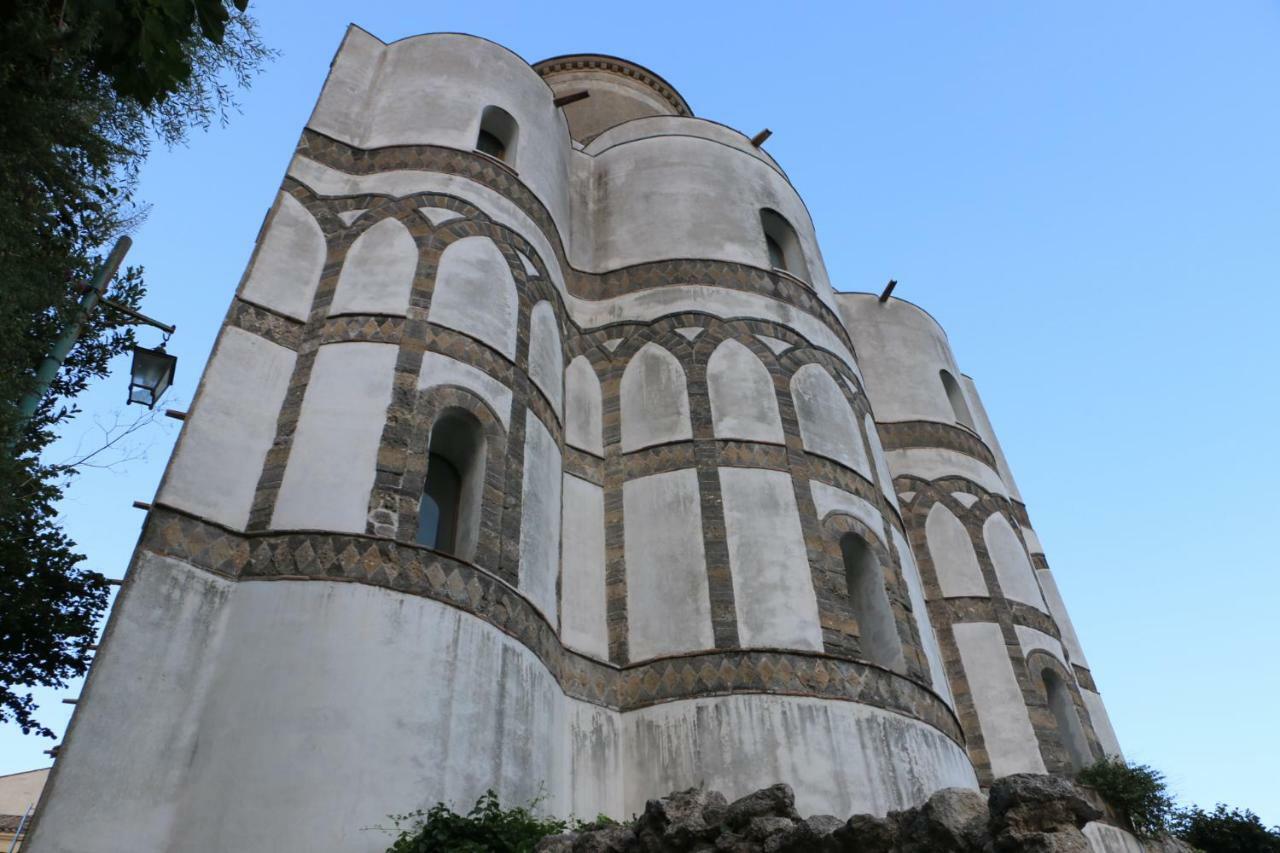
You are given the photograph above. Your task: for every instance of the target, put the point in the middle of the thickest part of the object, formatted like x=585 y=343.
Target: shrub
x=1226 y=831
x=487 y=828
x=1135 y=790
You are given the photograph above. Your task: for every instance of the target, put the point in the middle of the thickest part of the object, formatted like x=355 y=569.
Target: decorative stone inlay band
x=900 y=435
x=419 y=571
x=586 y=285
x=985 y=610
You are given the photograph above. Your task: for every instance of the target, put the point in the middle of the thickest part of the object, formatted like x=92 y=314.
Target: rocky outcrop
x=1023 y=813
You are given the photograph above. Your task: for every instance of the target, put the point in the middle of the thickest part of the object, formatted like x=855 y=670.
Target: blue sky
x=1086 y=195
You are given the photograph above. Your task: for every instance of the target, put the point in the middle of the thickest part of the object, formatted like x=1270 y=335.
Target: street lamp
x=151 y=375
x=152 y=369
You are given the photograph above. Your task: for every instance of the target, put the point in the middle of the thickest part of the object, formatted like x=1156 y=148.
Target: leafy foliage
x=85 y=88
x=1135 y=790
x=1225 y=830
x=487 y=828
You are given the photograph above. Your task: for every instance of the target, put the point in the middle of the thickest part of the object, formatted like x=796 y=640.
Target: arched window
x=1064 y=713
x=497 y=137
x=449 y=511
x=782 y=244
x=438 y=510
x=879 y=631
x=955 y=396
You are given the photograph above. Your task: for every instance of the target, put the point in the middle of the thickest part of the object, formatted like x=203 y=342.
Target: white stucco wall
x=668 y=602
x=654 y=399
x=1058 y=609
x=540 y=518
x=930 y=463
x=920 y=612
x=331 y=466
x=1013 y=568
x=1105 y=838
x=744 y=404
x=286 y=269
x=1002 y=714
x=901 y=349
x=583 y=612
x=640 y=306
x=841 y=758
x=377 y=274
x=983 y=423
x=1029 y=639
x=708 y=197
x=440 y=369
x=122 y=769
x=879 y=461
x=218 y=461
x=584 y=406
x=1101 y=723
x=546 y=359
x=431 y=90
x=828 y=499
x=772 y=582
x=954 y=560
x=475 y=293
x=827 y=423
x=19 y=791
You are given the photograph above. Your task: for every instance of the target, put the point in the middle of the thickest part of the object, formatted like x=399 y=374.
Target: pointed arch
x=954 y=560
x=878 y=460
x=475 y=293
x=654 y=399
x=743 y=402
x=1009 y=559
x=584 y=407
x=377 y=275
x=828 y=425
x=290 y=259
x=546 y=358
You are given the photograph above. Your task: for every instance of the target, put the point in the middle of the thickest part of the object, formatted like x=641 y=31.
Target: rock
x=679 y=821
x=775 y=801
x=953 y=819
x=866 y=834
x=615 y=838
x=1032 y=813
x=811 y=835
x=762 y=828
x=556 y=843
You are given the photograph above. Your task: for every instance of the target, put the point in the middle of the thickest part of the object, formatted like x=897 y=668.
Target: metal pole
x=53 y=361
x=17 y=835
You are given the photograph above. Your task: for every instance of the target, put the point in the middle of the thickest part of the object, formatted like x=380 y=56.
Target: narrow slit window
x=497 y=136
x=782 y=244
x=1068 y=720
x=959 y=407
x=878 y=631
x=438 y=510
x=450 y=506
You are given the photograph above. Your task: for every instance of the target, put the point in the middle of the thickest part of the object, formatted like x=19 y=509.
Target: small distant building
x=538 y=453
x=19 y=793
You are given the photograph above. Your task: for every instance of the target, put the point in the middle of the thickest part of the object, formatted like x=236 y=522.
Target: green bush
x=1226 y=830
x=1135 y=790
x=487 y=828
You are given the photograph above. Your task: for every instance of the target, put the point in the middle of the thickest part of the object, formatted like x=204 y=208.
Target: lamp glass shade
x=151 y=375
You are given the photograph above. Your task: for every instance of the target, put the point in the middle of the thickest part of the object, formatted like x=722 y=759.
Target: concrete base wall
x=287 y=715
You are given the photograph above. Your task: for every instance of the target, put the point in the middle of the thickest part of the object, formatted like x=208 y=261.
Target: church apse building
x=537 y=453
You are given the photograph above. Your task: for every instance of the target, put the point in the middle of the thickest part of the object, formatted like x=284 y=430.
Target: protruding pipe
x=142 y=505
x=888 y=289
x=759 y=138
x=176 y=414
x=571 y=98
